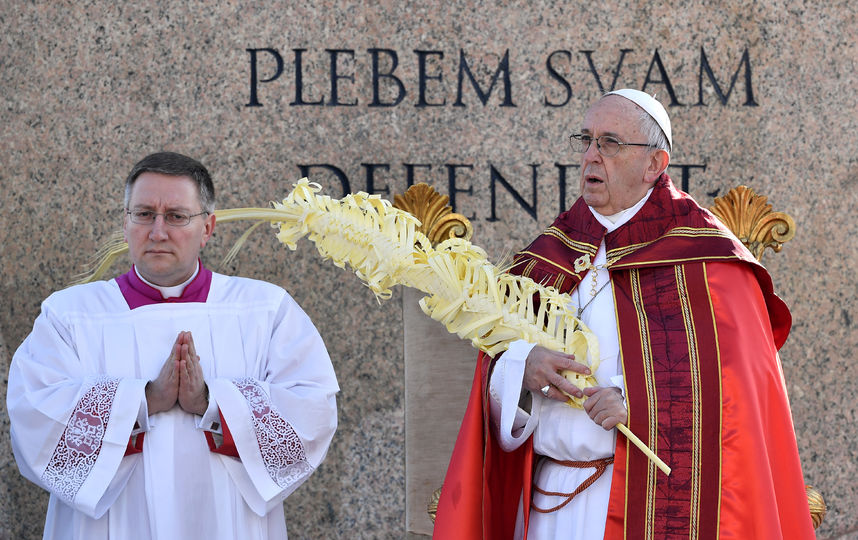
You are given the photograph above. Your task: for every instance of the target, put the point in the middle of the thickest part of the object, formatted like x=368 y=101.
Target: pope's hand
x=542 y=368
x=605 y=406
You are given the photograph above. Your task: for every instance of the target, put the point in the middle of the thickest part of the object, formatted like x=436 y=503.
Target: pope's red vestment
x=699 y=330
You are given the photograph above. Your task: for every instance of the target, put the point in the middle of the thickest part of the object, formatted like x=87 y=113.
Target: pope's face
x=163 y=254
x=612 y=184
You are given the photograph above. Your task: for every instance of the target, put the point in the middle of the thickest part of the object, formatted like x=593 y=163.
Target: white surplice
x=76 y=394
x=559 y=431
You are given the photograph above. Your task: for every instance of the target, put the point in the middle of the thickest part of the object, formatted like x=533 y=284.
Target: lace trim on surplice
x=79 y=446
x=282 y=450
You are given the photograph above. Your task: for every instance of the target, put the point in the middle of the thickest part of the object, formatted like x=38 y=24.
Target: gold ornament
x=751 y=219
x=817 y=506
x=437 y=220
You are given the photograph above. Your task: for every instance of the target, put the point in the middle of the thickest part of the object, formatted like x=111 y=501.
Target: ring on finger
x=545 y=389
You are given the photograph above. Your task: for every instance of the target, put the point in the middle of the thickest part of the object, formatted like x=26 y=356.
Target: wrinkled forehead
x=613 y=115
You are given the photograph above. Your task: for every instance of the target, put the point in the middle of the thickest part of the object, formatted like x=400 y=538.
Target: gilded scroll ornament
x=817 y=506
x=751 y=219
x=432 y=507
x=438 y=221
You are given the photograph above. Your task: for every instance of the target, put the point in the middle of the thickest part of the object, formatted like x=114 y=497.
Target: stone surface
x=439 y=370
x=91 y=87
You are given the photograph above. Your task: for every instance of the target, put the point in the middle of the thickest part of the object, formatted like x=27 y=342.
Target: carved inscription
x=333 y=77
x=458 y=181
x=428 y=78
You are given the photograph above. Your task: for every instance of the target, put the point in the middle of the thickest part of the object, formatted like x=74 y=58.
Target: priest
x=688 y=328
x=172 y=401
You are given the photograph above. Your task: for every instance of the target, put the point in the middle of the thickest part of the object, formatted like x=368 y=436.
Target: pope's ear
x=658 y=162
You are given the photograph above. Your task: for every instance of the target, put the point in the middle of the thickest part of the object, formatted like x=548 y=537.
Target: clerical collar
x=138 y=292
x=175 y=290
x=615 y=221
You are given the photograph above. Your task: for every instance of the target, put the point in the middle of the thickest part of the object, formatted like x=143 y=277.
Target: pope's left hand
x=605 y=406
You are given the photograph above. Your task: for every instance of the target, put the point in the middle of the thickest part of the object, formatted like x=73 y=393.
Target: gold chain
x=594 y=273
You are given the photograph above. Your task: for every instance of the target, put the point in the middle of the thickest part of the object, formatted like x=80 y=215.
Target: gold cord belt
x=600 y=466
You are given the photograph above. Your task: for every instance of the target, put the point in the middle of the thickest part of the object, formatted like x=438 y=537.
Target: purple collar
x=138 y=294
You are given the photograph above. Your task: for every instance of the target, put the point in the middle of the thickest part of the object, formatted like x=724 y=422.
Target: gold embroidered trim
x=672 y=262
x=528 y=268
x=720 y=390
x=696 y=406
x=574 y=244
x=652 y=399
x=688 y=232
x=552 y=263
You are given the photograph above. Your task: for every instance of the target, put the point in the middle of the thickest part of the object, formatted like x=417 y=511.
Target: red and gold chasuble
x=699 y=328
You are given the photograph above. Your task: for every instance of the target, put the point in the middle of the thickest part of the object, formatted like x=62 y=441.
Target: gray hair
x=652 y=131
x=173 y=164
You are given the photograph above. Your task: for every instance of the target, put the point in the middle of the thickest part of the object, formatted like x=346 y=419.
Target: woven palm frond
x=101 y=262
x=383 y=246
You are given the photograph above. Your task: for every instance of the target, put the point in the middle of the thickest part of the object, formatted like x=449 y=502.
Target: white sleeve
x=70 y=428
x=210 y=420
x=281 y=423
x=620 y=382
x=511 y=424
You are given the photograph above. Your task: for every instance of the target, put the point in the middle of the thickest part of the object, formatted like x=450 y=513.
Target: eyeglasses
x=173 y=219
x=608 y=146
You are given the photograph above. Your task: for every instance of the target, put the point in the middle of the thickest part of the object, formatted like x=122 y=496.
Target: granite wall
x=477 y=100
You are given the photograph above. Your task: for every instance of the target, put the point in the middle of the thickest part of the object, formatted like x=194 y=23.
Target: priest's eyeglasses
x=606 y=145
x=173 y=219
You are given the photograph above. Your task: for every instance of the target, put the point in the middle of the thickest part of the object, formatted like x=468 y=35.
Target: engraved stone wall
x=477 y=100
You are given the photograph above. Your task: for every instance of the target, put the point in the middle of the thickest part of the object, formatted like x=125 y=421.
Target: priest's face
x=615 y=183
x=166 y=254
